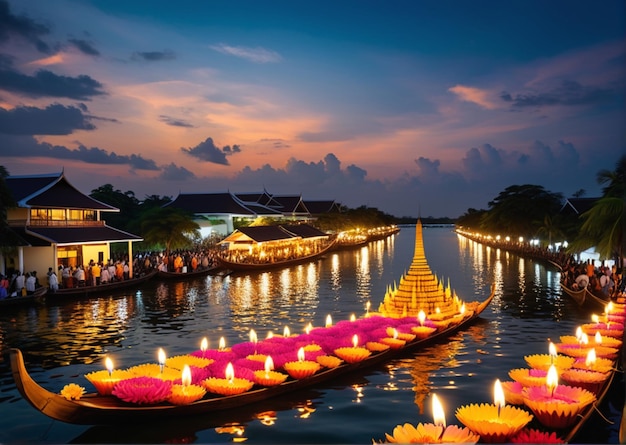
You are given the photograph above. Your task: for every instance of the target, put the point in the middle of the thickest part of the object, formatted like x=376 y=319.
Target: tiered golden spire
x=419 y=289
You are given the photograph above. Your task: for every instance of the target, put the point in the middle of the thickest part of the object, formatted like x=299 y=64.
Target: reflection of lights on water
x=359 y=393
x=267 y=418
x=236 y=430
x=305 y=410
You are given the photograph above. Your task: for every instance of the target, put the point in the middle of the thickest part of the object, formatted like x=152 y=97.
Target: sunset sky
x=408 y=106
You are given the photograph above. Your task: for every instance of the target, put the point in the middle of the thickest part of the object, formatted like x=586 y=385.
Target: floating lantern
x=592 y=381
x=269 y=377
x=328 y=361
x=186 y=393
x=529 y=377
x=513 y=393
x=436 y=432
x=556 y=406
x=376 y=346
x=302 y=368
x=592 y=363
x=543 y=361
x=105 y=380
x=228 y=386
x=393 y=342
x=353 y=354
x=495 y=423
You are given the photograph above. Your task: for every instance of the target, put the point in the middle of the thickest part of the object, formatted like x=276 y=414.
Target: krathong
x=269 y=377
x=592 y=381
x=302 y=368
x=530 y=435
x=592 y=363
x=528 y=377
x=605 y=329
x=393 y=342
x=422 y=331
x=436 y=432
x=352 y=354
x=556 y=406
x=104 y=381
x=513 y=393
x=543 y=361
x=328 y=361
x=406 y=336
x=154 y=370
x=179 y=362
x=376 y=346
x=143 y=390
x=72 y=391
x=186 y=393
x=228 y=386
x=578 y=352
x=495 y=423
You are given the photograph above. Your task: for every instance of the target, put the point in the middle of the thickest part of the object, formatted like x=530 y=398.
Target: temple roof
x=81 y=235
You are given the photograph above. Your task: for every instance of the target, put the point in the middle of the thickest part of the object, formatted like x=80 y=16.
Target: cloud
x=209 y=152
x=22 y=27
x=47 y=84
x=566 y=93
x=474 y=95
x=27 y=146
x=55 y=119
x=153 y=56
x=276 y=143
x=257 y=55
x=85 y=47
x=175 y=122
x=172 y=172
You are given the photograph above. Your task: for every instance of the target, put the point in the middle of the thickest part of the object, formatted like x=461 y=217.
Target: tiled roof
x=291 y=204
x=319 y=207
x=218 y=203
x=304 y=230
x=81 y=235
x=51 y=191
x=261 y=234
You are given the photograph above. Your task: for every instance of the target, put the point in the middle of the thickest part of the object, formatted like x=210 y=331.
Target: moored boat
x=36 y=297
x=189 y=275
x=85 y=291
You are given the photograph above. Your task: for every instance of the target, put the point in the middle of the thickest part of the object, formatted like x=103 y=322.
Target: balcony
x=65 y=223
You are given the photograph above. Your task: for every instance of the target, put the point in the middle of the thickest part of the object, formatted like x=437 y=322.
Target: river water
x=64 y=340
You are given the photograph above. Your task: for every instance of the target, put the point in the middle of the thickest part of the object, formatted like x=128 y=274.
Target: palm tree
x=604 y=224
x=169 y=227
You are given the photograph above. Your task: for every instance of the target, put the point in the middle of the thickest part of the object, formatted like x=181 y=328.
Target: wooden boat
x=585 y=297
x=93 y=409
x=198 y=273
x=261 y=266
x=578 y=296
x=37 y=297
x=85 y=291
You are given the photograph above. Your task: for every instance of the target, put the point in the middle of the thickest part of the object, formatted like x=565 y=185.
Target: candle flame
x=437 y=310
x=204 y=344
x=595 y=318
x=462 y=309
x=308 y=328
x=270 y=334
x=552 y=349
x=230 y=372
x=591 y=358
x=269 y=364
x=584 y=339
x=222 y=344
x=108 y=363
x=352 y=317
x=355 y=340
x=598 y=338
x=367 y=306
x=552 y=379
x=161 y=356
x=395 y=333
x=286 y=332
x=186 y=376
x=439 y=418
x=421 y=317
x=253 y=337
x=329 y=321
x=579 y=332
x=301 y=354
x=498 y=395
x=609 y=307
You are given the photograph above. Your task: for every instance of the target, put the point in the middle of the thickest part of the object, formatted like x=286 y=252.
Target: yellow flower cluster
x=72 y=391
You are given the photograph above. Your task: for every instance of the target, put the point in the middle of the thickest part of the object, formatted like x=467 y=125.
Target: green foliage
x=7 y=237
x=169 y=228
x=362 y=217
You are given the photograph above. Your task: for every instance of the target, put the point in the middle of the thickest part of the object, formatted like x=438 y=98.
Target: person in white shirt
x=105 y=277
x=53 y=282
x=30 y=283
x=19 y=282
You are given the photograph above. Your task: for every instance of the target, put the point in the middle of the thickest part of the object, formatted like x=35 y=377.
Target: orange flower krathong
x=72 y=391
x=492 y=423
x=557 y=407
x=430 y=433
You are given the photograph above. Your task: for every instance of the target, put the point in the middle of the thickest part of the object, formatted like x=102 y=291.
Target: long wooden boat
x=198 y=273
x=37 y=297
x=85 y=291
x=261 y=266
x=579 y=296
x=93 y=409
x=585 y=298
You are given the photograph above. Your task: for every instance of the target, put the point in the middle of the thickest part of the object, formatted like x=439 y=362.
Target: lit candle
x=439 y=416
x=301 y=354
x=352 y=317
x=253 y=337
x=108 y=363
x=286 y=332
x=270 y=334
x=598 y=338
x=308 y=328
x=498 y=396
x=161 y=358
x=269 y=366
x=552 y=352
x=230 y=373
x=222 y=344
x=269 y=377
x=367 y=307
x=204 y=345
x=421 y=317
x=329 y=321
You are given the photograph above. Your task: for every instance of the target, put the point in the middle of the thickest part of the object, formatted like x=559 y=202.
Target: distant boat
x=189 y=275
x=37 y=297
x=85 y=291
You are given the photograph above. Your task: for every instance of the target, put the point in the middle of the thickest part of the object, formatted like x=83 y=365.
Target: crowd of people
x=19 y=284
x=603 y=281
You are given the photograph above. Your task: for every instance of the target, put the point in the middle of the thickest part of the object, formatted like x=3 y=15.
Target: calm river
x=65 y=340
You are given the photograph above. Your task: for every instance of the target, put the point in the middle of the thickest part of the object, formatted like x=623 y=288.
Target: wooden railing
x=56 y=223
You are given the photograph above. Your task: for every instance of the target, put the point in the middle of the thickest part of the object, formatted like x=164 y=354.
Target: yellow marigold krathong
x=352 y=354
x=401 y=335
x=375 y=346
x=269 y=378
x=257 y=357
x=493 y=425
x=592 y=381
x=179 y=361
x=600 y=365
x=312 y=347
x=393 y=343
x=558 y=407
x=328 y=361
x=104 y=381
x=72 y=391
x=612 y=330
x=302 y=369
x=422 y=332
x=227 y=387
x=528 y=377
x=611 y=342
x=154 y=370
x=543 y=361
x=143 y=390
x=578 y=352
x=430 y=433
x=185 y=394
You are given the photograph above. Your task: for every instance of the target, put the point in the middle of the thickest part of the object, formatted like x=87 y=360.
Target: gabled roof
x=51 y=191
x=319 y=207
x=219 y=204
x=578 y=205
x=262 y=234
x=304 y=230
x=80 y=235
x=290 y=205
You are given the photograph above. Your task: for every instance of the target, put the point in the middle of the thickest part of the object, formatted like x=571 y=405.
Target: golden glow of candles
x=108 y=363
x=552 y=379
x=161 y=357
x=591 y=358
x=355 y=340
x=253 y=337
x=437 y=310
x=222 y=344
x=269 y=364
x=498 y=396
x=286 y=332
x=270 y=334
x=421 y=317
x=308 y=328
x=462 y=311
x=301 y=354
x=609 y=307
x=329 y=321
x=439 y=417
x=352 y=317
x=367 y=307
x=579 y=333
x=395 y=333
x=584 y=339
x=598 y=338
x=186 y=376
x=552 y=351
x=595 y=318
x=204 y=345
x=230 y=372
